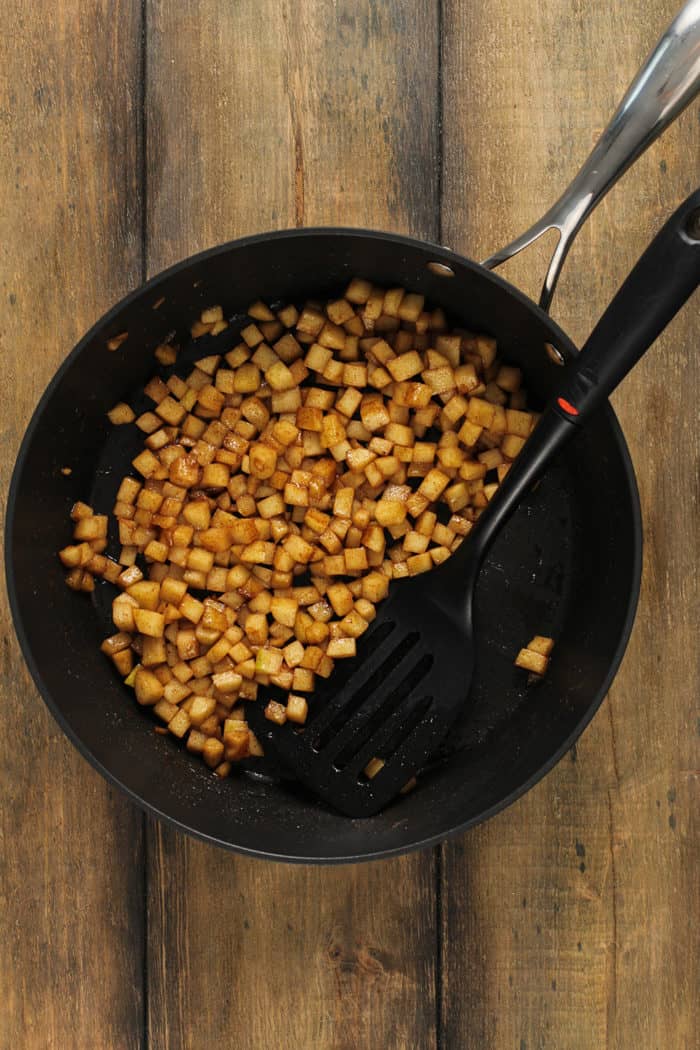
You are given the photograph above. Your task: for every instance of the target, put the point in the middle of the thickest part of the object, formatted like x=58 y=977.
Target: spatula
x=397 y=699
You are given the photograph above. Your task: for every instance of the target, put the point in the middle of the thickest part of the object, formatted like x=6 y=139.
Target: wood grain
x=71 y=935
x=301 y=957
x=565 y=918
x=276 y=115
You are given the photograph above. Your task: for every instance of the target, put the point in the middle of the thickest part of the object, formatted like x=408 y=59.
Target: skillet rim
x=441 y=254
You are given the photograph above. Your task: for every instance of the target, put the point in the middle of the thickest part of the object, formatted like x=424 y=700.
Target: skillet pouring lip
x=440 y=255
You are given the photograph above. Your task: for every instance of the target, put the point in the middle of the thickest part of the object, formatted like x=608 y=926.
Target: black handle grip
x=665 y=276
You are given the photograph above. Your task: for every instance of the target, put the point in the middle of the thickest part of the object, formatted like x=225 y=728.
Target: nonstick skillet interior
x=568 y=563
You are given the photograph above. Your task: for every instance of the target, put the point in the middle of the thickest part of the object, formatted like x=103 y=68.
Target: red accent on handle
x=567 y=406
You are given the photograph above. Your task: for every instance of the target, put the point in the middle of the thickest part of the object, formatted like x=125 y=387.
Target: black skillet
x=568 y=563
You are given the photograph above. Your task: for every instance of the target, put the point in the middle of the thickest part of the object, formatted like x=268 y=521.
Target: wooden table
x=134 y=133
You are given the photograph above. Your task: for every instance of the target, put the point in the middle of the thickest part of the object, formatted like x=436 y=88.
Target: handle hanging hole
x=553 y=354
x=441 y=269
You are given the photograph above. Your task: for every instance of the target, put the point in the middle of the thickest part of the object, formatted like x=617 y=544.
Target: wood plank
x=293 y=956
x=71 y=921
x=566 y=919
x=291 y=114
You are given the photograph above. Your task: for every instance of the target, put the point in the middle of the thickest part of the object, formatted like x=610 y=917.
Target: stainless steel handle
x=667 y=82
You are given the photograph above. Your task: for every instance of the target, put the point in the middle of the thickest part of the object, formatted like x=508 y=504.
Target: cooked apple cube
x=297 y=709
x=147 y=687
x=531 y=661
x=541 y=644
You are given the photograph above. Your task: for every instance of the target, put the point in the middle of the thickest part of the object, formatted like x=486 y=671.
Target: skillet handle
x=664 y=278
x=667 y=82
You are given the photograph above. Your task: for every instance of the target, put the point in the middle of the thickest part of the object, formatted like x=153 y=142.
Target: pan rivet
x=553 y=354
x=692 y=226
x=441 y=269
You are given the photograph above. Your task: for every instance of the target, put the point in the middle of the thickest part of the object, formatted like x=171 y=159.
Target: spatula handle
x=665 y=276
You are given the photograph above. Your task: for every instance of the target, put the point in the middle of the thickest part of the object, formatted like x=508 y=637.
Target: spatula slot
x=397 y=736
x=349 y=701
x=332 y=696
x=363 y=729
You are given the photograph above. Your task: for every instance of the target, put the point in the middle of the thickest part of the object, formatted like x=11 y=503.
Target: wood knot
x=362 y=961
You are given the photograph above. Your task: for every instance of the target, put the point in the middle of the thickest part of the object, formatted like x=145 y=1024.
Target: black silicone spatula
x=397 y=699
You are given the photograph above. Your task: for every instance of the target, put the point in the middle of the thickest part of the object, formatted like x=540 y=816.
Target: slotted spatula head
x=395 y=700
